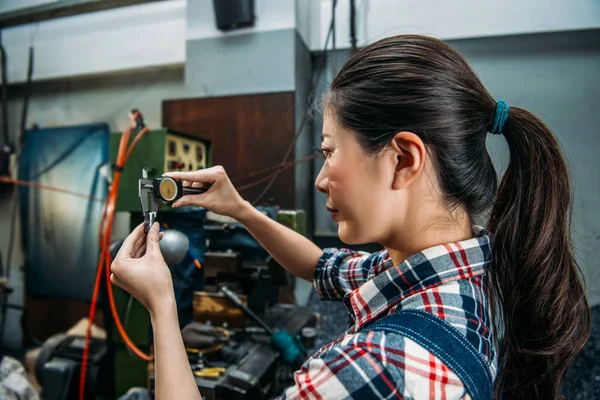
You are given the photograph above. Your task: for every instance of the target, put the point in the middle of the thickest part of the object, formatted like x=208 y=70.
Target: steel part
x=147 y=200
x=254 y=375
x=174 y=246
x=236 y=300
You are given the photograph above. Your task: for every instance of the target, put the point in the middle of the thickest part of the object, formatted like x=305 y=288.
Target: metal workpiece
x=148 y=201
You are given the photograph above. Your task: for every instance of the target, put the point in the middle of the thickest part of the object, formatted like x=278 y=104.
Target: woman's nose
x=322 y=182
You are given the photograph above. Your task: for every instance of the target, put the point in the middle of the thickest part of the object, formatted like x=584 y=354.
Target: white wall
x=143 y=36
x=154 y=34
x=458 y=19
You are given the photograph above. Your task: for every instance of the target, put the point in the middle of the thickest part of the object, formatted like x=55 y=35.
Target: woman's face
x=358 y=186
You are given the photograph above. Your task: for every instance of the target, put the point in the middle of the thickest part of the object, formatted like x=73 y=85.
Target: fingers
x=128 y=247
x=140 y=251
x=153 y=238
x=139 y=243
x=209 y=175
x=114 y=280
x=191 y=200
x=194 y=184
x=201 y=185
x=140 y=246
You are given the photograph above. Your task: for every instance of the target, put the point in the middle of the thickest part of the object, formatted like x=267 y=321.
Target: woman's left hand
x=140 y=269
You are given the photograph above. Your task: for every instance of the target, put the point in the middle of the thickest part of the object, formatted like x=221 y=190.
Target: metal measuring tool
x=153 y=191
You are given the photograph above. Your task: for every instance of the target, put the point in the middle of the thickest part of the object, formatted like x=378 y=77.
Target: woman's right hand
x=221 y=197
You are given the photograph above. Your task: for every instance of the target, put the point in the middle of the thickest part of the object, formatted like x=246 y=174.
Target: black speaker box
x=233 y=14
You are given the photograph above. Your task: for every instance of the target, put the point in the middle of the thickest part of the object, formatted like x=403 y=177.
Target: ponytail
x=420 y=84
x=544 y=314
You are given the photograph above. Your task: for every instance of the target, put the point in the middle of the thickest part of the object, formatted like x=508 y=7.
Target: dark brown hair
x=422 y=85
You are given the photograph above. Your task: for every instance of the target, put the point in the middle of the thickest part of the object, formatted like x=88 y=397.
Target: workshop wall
x=271 y=57
x=556 y=77
x=100 y=42
x=81 y=101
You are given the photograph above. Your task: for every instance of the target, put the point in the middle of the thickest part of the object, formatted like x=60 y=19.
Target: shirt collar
x=424 y=270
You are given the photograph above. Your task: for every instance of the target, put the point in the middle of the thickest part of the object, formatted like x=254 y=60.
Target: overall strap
x=446 y=343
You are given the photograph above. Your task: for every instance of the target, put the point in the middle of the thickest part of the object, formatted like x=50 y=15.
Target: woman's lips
x=333 y=211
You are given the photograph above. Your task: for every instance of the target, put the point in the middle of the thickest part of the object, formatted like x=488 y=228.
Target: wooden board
x=248 y=133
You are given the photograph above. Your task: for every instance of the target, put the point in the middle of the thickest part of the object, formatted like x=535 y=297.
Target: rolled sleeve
x=340 y=271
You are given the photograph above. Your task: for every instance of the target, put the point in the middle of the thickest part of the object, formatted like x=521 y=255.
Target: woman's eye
x=324 y=152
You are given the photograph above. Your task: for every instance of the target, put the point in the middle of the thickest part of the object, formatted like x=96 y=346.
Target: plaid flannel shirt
x=446 y=280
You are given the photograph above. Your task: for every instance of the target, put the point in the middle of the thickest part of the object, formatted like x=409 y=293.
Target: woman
x=406 y=166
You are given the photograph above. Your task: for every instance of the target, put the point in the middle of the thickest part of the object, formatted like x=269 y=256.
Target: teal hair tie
x=500 y=117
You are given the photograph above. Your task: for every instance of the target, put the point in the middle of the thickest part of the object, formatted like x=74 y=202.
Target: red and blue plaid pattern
x=447 y=280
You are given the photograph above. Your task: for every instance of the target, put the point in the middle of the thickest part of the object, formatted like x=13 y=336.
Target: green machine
x=158 y=151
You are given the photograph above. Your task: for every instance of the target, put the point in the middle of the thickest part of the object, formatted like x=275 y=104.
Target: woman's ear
x=409 y=152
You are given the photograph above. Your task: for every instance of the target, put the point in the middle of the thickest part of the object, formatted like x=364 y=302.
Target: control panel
x=159 y=151
x=184 y=154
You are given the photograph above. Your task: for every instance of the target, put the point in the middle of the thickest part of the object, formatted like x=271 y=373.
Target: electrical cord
x=126 y=320
x=239 y=188
x=3 y=94
x=288 y=152
x=273 y=167
x=13 y=217
x=11 y=244
x=281 y=167
x=353 y=25
x=333 y=6
x=27 y=96
x=106 y=225
x=18 y=182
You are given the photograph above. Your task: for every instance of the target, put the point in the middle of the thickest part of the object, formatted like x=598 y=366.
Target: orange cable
x=46 y=187
x=107 y=220
x=277 y=166
x=135 y=141
x=104 y=262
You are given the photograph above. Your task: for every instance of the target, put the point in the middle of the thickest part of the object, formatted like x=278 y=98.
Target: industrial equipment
x=152 y=192
x=231 y=357
x=58 y=364
x=239 y=362
x=157 y=152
